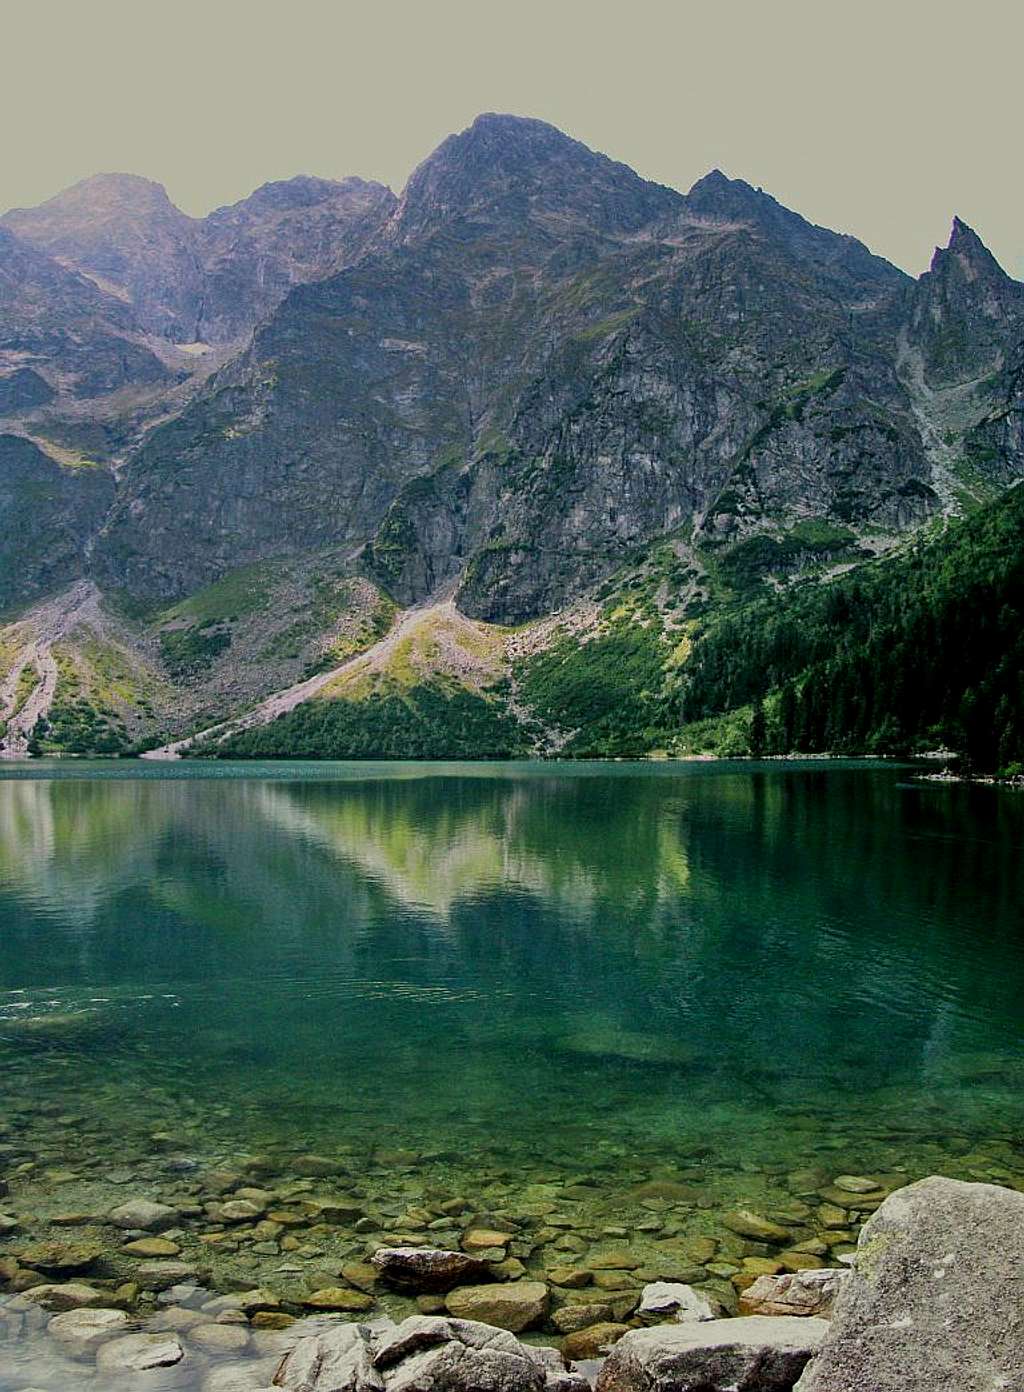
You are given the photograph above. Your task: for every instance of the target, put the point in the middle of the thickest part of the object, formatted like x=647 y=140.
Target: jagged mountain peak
x=300 y=191
x=505 y=168
x=719 y=197
x=966 y=255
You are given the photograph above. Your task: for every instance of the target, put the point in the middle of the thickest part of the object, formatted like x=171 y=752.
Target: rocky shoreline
x=933 y=1285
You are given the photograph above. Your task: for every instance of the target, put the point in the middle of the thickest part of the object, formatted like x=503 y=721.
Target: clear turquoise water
x=521 y=960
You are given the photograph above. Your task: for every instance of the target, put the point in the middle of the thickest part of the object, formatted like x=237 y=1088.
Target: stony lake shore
x=930 y=1292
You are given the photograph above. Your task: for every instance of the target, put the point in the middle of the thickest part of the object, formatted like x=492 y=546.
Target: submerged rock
x=428 y=1269
x=61 y=1258
x=755 y=1354
x=515 y=1306
x=137 y=1353
x=794 y=1293
x=600 y=1039
x=151 y=1247
x=934 y=1300
x=162 y=1275
x=679 y=1300
x=594 y=1340
x=145 y=1215
x=745 y=1223
x=82 y=1331
x=340 y=1299
x=70 y=1296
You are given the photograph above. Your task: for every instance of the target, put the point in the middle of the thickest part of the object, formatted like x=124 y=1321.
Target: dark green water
x=519 y=960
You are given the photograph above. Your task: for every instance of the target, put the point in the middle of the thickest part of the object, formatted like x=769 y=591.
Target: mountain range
x=330 y=449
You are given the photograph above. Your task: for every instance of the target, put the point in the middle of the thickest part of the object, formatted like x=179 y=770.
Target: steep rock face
x=23 y=389
x=47 y=514
x=736 y=394
x=508 y=169
x=536 y=361
x=309 y=436
x=995 y=446
x=284 y=234
x=541 y=361
x=64 y=328
x=965 y=313
x=203 y=279
x=380 y=374
x=724 y=200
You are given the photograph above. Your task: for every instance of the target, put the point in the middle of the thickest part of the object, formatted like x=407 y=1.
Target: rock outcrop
x=47 y=514
x=755 y=1354
x=936 y=1298
x=423 y=1352
x=513 y=382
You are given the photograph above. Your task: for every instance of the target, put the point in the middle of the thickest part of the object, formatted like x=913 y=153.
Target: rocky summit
x=535 y=388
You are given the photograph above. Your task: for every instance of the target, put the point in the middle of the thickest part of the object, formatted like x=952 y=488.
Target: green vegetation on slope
x=606 y=691
x=921 y=649
x=73 y=724
x=426 y=721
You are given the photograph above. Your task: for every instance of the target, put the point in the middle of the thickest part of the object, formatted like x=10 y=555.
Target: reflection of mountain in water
x=769 y=927
x=68 y=846
x=431 y=850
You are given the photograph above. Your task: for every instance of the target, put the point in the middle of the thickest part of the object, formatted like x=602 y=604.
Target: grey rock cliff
x=47 y=514
x=512 y=379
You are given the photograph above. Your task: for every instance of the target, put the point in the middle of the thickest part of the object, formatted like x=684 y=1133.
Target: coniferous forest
x=921 y=650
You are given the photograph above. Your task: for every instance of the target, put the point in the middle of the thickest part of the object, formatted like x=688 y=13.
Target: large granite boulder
x=759 y=1353
x=338 y=1358
x=422 y=1353
x=936 y=1298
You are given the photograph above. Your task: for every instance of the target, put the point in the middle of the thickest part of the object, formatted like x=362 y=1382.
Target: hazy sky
x=880 y=119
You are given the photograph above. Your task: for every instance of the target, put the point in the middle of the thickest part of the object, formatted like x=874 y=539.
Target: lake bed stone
x=592 y=1341
x=428 y=1269
x=61 y=1258
x=677 y=1299
x=800 y=1293
x=81 y=1331
x=340 y=1299
x=138 y=1353
x=144 y=1214
x=72 y=1295
x=515 y=1305
x=746 y=1223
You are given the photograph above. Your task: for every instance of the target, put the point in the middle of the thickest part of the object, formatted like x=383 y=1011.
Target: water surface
x=481 y=978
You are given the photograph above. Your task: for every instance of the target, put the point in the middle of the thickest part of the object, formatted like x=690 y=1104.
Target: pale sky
x=879 y=119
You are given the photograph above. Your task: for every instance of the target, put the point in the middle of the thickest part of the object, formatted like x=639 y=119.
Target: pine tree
x=758 y=730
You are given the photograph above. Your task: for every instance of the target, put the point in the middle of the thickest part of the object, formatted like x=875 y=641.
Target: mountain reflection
x=764 y=927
